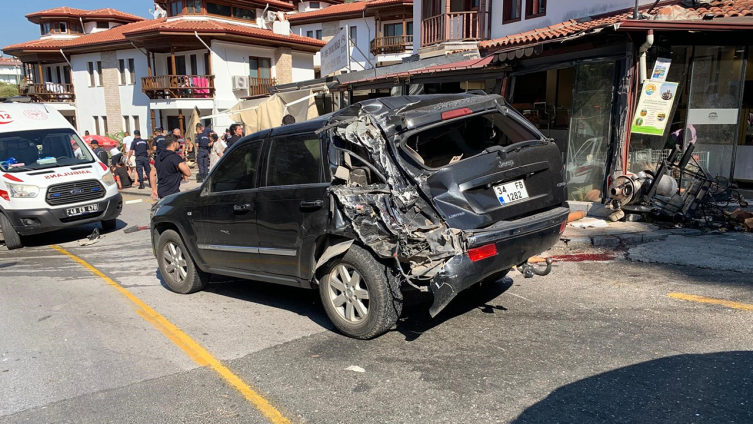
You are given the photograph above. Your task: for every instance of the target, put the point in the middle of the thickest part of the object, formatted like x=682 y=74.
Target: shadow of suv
x=438 y=192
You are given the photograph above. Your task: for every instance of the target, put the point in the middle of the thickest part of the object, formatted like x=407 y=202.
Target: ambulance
x=49 y=177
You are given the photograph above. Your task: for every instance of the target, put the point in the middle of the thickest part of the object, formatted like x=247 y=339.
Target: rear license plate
x=511 y=192
x=81 y=210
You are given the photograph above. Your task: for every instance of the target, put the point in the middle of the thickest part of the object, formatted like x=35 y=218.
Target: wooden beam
x=180 y=123
x=154 y=122
x=41 y=74
x=149 y=73
x=172 y=59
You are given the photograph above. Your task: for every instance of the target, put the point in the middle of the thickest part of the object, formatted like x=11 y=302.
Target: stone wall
x=111 y=86
x=284 y=65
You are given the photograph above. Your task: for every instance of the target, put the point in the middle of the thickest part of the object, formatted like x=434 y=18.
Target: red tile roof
x=113 y=35
x=10 y=61
x=76 y=13
x=328 y=12
x=719 y=8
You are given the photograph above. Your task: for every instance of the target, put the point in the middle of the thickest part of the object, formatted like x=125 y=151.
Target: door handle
x=242 y=208
x=312 y=204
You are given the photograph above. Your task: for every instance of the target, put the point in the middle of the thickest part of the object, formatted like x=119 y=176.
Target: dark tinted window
x=238 y=170
x=296 y=160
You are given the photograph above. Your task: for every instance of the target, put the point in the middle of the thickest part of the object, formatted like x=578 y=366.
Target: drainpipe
x=636 y=15
x=83 y=29
x=642 y=54
x=368 y=32
x=66 y=59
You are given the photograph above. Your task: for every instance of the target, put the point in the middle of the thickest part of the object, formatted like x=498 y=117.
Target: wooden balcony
x=260 y=86
x=178 y=86
x=394 y=44
x=454 y=26
x=49 y=92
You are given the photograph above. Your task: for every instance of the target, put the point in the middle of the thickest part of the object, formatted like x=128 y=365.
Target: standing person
x=100 y=152
x=158 y=141
x=204 y=143
x=87 y=133
x=218 y=148
x=169 y=170
x=140 y=150
x=236 y=133
x=181 y=141
x=130 y=160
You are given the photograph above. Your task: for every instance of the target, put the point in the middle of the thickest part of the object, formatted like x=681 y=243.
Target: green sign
x=654 y=107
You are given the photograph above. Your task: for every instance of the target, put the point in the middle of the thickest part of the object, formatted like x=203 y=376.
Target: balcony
x=49 y=92
x=178 y=86
x=260 y=86
x=454 y=26
x=395 y=44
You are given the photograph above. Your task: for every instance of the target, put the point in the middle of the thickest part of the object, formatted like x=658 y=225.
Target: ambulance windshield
x=39 y=149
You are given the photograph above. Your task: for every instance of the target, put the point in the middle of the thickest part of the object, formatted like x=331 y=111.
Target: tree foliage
x=8 y=90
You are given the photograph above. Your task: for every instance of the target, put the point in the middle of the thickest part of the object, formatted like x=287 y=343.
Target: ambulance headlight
x=22 y=190
x=108 y=179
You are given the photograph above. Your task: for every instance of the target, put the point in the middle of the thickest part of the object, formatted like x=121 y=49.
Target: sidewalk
x=613 y=234
x=147 y=191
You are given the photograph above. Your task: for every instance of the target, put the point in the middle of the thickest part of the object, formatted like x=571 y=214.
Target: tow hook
x=529 y=270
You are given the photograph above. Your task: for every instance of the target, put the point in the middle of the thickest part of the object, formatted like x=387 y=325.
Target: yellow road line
x=711 y=300
x=192 y=348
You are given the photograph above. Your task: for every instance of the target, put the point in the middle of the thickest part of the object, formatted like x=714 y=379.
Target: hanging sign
x=654 y=107
x=661 y=70
x=336 y=54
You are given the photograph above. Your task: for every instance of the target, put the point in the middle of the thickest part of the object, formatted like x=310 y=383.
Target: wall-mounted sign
x=661 y=70
x=335 y=55
x=654 y=107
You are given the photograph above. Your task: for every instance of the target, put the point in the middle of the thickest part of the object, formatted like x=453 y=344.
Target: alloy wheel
x=348 y=293
x=175 y=262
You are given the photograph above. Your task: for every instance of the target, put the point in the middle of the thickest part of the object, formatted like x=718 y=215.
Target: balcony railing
x=260 y=86
x=393 y=44
x=49 y=92
x=178 y=86
x=455 y=26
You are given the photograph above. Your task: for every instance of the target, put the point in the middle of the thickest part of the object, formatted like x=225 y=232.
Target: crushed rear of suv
x=436 y=192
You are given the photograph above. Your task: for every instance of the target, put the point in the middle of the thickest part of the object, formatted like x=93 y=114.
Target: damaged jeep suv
x=436 y=192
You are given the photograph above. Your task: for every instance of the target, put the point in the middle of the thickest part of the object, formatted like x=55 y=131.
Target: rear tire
x=176 y=265
x=109 y=225
x=361 y=295
x=10 y=236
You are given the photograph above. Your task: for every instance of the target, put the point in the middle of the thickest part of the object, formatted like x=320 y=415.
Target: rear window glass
x=458 y=140
x=294 y=161
x=39 y=149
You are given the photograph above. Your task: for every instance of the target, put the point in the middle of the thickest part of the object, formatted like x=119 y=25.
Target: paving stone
x=606 y=241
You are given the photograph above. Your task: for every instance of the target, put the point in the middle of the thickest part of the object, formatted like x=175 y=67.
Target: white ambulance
x=49 y=177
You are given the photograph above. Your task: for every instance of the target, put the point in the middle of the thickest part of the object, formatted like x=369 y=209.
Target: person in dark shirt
x=122 y=177
x=236 y=133
x=100 y=152
x=140 y=149
x=204 y=143
x=169 y=170
x=158 y=141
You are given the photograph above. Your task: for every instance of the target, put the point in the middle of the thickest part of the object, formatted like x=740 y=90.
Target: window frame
x=241 y=144
x=259 y=60
x=264 y=182
x=103 y=25
x=353 y=34
x=122 y=71
x=127 y=124
x=317 y=3
x=530 y=13
x=92 y=80
x=104 y=124
x=96 y=125
x=136 y=122
x=507 y=17
x=310 y=33
x=99 y=73
x=319 y=34
x=132 y=70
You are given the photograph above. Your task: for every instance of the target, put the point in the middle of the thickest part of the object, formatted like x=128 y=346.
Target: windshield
x=462 y=139
x=39 y=149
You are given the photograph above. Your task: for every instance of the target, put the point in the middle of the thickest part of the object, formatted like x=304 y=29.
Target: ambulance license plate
x=81 y=210
x=511 y=192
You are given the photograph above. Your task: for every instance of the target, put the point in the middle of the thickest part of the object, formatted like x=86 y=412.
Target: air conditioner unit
x=240 y=82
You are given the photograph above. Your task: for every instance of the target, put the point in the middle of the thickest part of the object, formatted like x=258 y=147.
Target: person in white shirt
x=115 y=156
x=131 y=161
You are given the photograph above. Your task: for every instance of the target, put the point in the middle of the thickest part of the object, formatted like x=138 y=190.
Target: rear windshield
x=461 y=139
x=39 y=149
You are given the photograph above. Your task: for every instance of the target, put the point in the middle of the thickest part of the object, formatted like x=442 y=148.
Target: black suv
x=436 y=192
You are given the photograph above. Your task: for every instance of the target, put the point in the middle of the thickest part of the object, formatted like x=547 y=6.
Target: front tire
x=361 y=295
x=11 y=237
x=176 y=265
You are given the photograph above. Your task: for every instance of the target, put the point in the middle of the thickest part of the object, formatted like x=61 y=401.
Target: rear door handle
x=242 y=208
x=312 y=204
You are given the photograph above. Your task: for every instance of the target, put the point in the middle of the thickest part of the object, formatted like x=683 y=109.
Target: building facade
x=10 y=71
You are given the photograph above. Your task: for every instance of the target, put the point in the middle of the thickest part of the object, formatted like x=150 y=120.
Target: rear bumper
x=516 y=242
x=36 y=221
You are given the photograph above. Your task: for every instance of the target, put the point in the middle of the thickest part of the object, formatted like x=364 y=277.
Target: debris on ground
x=355 y=368
x=589 y=223
x=90 y=239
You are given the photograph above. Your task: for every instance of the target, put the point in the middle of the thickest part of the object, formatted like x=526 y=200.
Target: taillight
x=562 y=227
x=456 y=113
x=483 y=252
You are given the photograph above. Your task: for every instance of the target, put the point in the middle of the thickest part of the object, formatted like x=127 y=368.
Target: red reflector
x=562 y=227
x=104 y=167
x=456 y=113
x=12 y=178
x=4 y=195
x=482 y=252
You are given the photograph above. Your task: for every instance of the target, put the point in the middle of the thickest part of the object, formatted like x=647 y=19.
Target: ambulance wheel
x=110 y=224
x=11 y=237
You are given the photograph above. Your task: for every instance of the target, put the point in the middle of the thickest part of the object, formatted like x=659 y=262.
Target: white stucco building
x=10 y=70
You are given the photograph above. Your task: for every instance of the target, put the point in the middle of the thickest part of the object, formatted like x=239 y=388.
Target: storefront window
x=590 y=130
x=744 y=154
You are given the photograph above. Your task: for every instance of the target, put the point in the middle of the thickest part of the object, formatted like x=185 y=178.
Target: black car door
x=292 y=204
x=226 y=216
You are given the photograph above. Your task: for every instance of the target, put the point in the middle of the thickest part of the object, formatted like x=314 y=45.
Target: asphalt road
x=593 y=342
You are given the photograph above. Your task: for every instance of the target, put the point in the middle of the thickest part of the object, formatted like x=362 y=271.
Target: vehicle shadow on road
x=68 y=235
x=713 y=387
x=415 y=320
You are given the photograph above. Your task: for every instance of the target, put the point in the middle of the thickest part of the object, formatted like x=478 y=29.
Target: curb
x=628 y=239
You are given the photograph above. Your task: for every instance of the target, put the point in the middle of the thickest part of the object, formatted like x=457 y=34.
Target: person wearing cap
x=100 y=152
x=140 y=149
x=204 y=143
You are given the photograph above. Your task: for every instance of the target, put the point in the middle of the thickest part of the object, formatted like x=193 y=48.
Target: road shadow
x=8 y=264
x=415 y=320
x=67 y=235
x=703 y=388
x=297 y=300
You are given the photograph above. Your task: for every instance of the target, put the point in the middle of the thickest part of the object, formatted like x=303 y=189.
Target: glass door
x=590 y=130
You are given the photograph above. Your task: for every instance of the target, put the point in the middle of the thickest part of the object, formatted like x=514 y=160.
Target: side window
x=238 y=171
x=294 y=160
